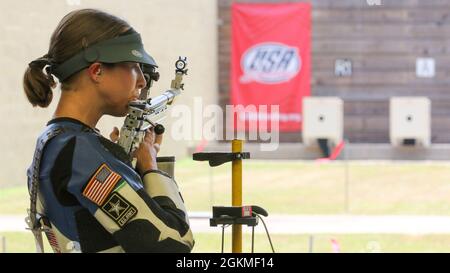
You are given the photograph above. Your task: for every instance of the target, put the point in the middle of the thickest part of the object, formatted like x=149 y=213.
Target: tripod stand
x=236 y=215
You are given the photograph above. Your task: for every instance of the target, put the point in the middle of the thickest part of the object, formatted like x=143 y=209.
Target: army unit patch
x=119 y=209
x=101 y=184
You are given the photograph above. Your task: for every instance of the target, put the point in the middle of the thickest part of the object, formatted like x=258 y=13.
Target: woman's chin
x=119 y=112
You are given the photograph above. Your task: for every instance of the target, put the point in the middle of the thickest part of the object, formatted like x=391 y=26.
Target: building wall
x=169 y=28
x=383 y=43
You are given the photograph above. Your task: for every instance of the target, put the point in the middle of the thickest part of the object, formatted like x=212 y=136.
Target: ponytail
x=37 y=84
x=75 y=31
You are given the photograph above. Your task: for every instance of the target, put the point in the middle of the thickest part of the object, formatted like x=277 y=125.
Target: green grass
x=350 y=243
x=21 y=242
x=294 y=187
x=14 y=200
x=300 y=187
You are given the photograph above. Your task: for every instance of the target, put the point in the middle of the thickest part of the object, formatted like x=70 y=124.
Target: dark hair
x=77 y=30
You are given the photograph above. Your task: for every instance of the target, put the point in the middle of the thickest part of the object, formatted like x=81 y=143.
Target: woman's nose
x=141 y=82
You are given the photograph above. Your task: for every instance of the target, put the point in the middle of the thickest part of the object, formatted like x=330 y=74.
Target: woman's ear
x=95 y=72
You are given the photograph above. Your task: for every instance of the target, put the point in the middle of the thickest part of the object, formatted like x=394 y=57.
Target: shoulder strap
x=34 y=218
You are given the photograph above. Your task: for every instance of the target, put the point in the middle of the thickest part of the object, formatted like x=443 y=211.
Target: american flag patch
x=101 y=184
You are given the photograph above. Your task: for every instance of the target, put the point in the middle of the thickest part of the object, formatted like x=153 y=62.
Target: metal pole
x=211 y=187
x=311 y=244
x=223 y=236
x=3 y=244
x=236 y=194
x=347 y=186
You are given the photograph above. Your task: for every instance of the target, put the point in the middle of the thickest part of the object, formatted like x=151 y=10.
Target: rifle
x=146 y=113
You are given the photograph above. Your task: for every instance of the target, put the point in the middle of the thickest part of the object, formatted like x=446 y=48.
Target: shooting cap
x=124 y=48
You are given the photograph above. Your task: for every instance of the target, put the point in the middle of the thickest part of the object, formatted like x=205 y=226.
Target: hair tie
x=46 y=62
x=41 y=62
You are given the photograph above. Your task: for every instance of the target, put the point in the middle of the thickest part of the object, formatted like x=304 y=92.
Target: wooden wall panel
x=383 y=43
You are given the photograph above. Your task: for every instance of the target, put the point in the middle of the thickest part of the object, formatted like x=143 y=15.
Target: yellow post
x=236 y=194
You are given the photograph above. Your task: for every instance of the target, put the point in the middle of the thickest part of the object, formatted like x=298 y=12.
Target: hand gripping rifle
x=145 y=113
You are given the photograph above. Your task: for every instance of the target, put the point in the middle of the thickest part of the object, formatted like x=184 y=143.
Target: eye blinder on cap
x=127 y=48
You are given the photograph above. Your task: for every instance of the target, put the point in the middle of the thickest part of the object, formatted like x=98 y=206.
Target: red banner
x=270 y=61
